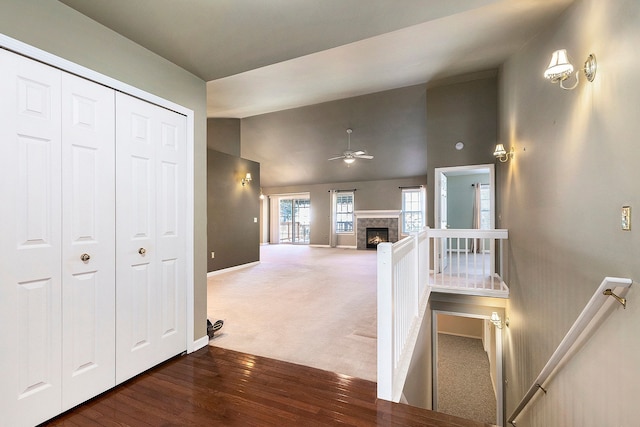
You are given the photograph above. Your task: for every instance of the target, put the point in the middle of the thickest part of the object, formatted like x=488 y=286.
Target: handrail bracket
x=541 y=388
x=621 y=300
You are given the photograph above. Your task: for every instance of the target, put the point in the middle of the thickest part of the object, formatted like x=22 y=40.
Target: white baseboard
x=237 y=267
x=319 y=246
x=346 y=247
x=200 y=343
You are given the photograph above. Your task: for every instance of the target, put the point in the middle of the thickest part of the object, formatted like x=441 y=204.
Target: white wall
x=577 y=163
x=461 y=326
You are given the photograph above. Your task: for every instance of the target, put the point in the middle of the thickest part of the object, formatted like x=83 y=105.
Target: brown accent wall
x=233 y=230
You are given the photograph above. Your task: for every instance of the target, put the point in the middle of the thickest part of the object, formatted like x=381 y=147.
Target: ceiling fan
x=350 y=156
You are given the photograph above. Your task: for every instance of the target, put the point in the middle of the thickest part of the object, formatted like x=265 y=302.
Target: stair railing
x=608 y=287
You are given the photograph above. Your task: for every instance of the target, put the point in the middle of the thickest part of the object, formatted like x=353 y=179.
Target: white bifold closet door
x=150 y=248
x=57 y=190
x=30 y=238
x=88 y=239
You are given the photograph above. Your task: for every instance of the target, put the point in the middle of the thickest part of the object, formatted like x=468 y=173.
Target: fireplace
x=376 y=236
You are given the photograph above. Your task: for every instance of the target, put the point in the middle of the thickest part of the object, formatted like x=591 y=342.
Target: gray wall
x=466 y=112
x=370 y=195
x=576 y=165
x=232 y=233
x=223 y=135
x=60 y=30
x=418 y=390
x=293 y=146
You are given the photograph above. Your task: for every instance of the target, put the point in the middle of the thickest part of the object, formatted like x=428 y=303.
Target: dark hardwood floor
x=214 y=386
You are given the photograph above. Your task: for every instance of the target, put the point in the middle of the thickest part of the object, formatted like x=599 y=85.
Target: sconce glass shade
x=499 y=151
x=503 y=155
x=349 y=160
x=248 y=177
x=559 y=68
x=496 y=320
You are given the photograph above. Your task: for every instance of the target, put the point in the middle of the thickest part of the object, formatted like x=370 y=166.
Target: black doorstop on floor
x=213 y=327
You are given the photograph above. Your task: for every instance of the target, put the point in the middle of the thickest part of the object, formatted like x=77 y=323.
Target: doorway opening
x=464 y=198
x=293 y=215
x=467 y=366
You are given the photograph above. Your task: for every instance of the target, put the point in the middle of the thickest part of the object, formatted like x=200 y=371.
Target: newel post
x=385 y=321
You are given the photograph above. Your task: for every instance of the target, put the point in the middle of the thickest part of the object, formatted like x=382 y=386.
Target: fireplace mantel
x=377 y=214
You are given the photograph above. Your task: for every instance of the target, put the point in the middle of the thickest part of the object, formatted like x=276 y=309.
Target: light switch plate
x=626 y=218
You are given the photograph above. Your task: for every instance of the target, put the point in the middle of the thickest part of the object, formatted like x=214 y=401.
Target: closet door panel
x=30 y=218
x=136 y=282
x=151 y=276
x=88 y=250
x=171 y=252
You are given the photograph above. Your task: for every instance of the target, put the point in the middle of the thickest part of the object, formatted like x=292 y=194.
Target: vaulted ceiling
x=263 y=56
x=260 y=56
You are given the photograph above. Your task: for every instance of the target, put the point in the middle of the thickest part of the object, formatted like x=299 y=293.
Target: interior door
x=171 y=250
x=88 y=239
x=150 y=235
x=30 y=226
x=444 y=258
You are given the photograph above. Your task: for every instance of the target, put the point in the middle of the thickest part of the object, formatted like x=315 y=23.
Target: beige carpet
x=305 y=305
x=464 y=384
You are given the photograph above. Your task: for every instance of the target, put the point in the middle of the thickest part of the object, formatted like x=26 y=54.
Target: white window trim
x=423 y=200
x=353 y=217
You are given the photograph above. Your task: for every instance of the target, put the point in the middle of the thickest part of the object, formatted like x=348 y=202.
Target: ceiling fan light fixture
x=350 y=156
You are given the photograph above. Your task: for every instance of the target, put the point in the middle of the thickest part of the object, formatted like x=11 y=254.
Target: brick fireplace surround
x=375 y=219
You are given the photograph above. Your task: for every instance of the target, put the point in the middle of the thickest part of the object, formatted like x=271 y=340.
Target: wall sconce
x=501 y=154
x=246 y=179
x=496 y=320
x=261 y=195
x=560 y=69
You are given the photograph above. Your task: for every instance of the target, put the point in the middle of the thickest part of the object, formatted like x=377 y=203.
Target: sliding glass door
x=294 y=224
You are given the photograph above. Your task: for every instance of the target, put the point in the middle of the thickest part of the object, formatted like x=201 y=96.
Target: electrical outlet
x=255 y=219
x=213 y=254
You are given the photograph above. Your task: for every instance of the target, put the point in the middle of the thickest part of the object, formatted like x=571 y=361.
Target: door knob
x=85 y=257
x=142 y=251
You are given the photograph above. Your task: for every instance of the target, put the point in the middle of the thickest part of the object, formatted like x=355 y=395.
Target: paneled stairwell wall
x=575 y=166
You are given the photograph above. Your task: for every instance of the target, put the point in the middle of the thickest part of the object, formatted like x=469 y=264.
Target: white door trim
x=71 y=67
x=467 y=168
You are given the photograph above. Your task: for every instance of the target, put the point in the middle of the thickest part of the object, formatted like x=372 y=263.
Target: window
x=344 y=213
x=485 y=207
x=412 y=209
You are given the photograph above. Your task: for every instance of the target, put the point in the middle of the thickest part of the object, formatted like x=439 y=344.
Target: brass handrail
x=579 y=326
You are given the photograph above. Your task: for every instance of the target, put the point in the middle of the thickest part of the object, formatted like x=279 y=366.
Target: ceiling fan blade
x=336 y=158
x=359 y=153
x=363 y=156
